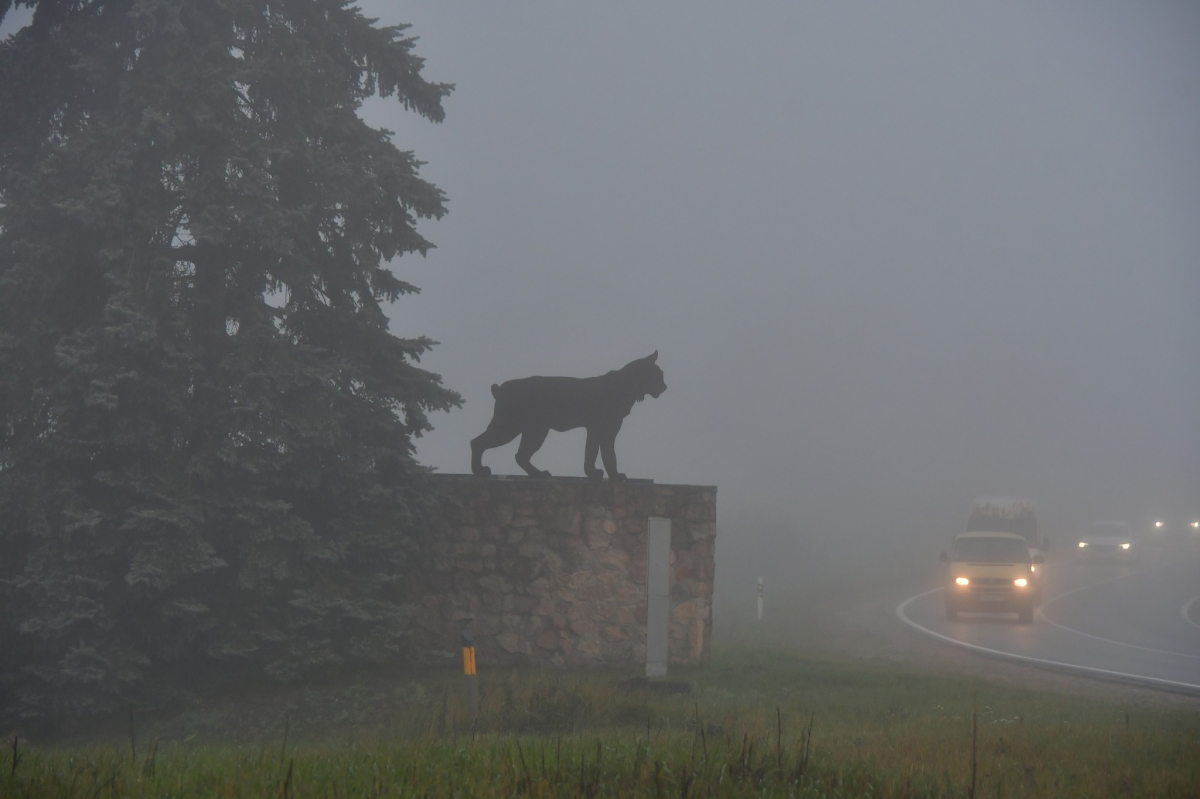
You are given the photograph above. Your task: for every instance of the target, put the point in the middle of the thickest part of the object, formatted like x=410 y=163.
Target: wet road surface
x=1137 y=623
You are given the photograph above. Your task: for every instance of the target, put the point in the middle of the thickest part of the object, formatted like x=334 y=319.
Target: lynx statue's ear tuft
x=653 y=356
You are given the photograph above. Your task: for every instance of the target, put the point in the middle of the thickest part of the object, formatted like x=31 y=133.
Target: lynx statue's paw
x=482 y=471
x=616 y=478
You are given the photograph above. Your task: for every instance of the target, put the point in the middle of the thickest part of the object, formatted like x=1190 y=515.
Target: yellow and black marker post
x=468 y=645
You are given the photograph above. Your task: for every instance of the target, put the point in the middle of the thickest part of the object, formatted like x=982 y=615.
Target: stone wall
x=554 y=571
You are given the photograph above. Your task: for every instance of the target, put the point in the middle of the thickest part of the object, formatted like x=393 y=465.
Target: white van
x=991 y=573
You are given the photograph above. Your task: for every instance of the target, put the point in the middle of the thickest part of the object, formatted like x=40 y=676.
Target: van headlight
x=1124 y=546
x=1020 y=582
x=1082 y=544
x=961 y=581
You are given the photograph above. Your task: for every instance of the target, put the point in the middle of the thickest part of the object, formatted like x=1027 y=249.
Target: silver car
x=1109 y=541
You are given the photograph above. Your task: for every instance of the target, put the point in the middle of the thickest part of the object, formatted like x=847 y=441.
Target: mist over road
x=1120 y=622
x=892 y=260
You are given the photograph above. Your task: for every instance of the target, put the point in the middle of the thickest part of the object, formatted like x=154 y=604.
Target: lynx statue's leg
x=608 y=454
x=531 y=442
x=488 y=439
x=590 y=450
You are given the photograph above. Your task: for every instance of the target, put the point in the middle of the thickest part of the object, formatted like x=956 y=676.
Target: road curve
x=1128 y=623
x=1186 y=611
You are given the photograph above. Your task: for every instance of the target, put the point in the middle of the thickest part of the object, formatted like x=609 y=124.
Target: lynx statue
x=533 y=406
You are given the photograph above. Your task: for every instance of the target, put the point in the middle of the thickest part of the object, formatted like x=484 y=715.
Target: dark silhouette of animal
x=533 y=406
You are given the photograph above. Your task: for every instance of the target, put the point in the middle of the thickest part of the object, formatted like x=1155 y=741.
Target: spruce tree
x=206 y=458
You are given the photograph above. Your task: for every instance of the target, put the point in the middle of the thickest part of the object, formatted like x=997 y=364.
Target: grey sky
x=893 y=256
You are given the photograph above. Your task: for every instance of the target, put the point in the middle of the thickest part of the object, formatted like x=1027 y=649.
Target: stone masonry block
x=554 y=571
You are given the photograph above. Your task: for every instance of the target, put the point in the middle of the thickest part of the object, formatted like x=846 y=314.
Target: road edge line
x=1052 y=665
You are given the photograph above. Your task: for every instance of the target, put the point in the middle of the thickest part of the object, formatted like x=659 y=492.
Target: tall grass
x=762 y=725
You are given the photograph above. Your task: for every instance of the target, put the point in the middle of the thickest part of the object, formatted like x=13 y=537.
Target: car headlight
x=962 y=581
x=1124 y=546
x=1033 y=569
x=1020 y=582
x=1082 y=544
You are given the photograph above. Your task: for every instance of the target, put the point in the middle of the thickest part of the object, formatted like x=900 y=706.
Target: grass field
x=760 y=724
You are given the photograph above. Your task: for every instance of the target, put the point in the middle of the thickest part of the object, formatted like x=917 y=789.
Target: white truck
x=1015 y=516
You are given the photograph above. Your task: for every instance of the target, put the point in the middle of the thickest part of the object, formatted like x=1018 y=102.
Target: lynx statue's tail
x=495 y=388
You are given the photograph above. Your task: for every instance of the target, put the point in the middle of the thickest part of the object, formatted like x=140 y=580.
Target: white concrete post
x=760 y=597
x=658 y=595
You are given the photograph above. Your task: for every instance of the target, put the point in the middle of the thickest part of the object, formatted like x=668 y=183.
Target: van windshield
x=990 y=550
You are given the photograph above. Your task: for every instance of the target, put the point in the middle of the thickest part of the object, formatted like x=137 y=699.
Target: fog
x=892 y=256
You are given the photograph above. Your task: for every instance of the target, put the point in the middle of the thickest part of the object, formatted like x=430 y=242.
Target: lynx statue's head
x=644 y=377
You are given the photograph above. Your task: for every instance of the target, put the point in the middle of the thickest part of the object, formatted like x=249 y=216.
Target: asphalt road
x=1136 y=623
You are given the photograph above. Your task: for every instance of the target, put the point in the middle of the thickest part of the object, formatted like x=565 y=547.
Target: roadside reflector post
x=760 y=597
x=472 y=682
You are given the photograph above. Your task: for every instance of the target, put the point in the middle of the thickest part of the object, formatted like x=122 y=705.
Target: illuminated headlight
x=1082 y=544
x=1020 y=582
x=1158 y=524
x=1196 y=525
x=1033 y=569
x=1124 y=546
x=961 y=581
